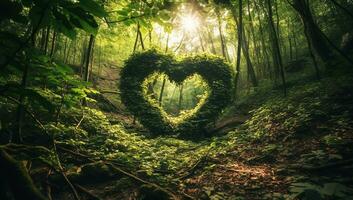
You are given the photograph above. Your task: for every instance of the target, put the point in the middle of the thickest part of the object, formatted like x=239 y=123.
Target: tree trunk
x=313 y=33
x=245 y=47
x=213 y=49
x=180 y=97
x=53 y=44
x=263 y=44
x=312 y=55
x=88 y=56
x=46 y=40
x=240 y=39
x=20 y=110
x=137 y=38
x=222 y=39
x=160 y=99
x=276 y=48
x=161 y=93
x=141 y=39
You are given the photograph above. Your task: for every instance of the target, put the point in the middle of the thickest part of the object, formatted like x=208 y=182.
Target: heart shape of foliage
x=215 y=72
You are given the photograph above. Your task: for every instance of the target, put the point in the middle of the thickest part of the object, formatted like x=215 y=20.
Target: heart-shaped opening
x=176 y=101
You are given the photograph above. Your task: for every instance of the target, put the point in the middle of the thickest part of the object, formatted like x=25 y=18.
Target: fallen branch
x=61 y=171
x=84 y=190
x=143 y=181
x=132 y=176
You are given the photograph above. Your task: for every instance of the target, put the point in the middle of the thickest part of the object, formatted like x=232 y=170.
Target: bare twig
x=61 y=171
x=79 y=123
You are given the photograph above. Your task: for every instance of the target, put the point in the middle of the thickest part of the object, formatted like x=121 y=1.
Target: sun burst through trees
x=190 y=23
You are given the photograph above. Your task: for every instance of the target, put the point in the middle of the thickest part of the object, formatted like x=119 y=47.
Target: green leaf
x=36 y=96
x=84 y=21
x=93 y=7
x=63 y=25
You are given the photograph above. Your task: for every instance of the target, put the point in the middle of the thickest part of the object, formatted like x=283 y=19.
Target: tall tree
x=312 y=32
x=240 y=39
x=275 y=45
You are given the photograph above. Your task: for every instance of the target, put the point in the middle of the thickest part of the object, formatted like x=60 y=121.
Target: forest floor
x=266 y=147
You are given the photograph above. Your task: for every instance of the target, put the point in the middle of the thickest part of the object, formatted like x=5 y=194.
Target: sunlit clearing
x=190 y=23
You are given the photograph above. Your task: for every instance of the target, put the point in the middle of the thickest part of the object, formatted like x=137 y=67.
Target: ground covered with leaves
x=264 y=147
x=299 y=147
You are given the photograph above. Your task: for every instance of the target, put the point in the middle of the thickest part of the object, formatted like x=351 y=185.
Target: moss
x=215 y=72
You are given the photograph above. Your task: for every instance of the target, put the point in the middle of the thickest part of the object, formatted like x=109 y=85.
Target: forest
x=176 y=99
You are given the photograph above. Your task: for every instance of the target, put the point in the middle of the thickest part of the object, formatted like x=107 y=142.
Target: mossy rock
x=141 y=66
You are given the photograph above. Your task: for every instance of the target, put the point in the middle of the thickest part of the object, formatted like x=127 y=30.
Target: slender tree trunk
x=67 y=54
x=88 y=56
x=91 y=60
x=252 y=30
x=42 y=39
x=180 y=97
x=150 y=37
x=46 y=40
x=240 y=39
x=20 y=109
x=276 y=49
x=295 y=42
x=53 y=44
x=290 y=42
x=65 y=50
x=201 y=43
x=161 y=93
x=266 y=58
x=137 y=38
x=222 y=39
x=250 y=67
x=141 y=39
x=312 y=55
x=213 y=49
x=86 y=74
x=83 y=57
x=245 y=47
x=160 y=99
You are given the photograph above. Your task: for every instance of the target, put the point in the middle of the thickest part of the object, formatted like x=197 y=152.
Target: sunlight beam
x=190 y=23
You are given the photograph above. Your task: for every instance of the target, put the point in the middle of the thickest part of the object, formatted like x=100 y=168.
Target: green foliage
x=98 y=138
x=307 y=190
x=285 y=117
x=31 y=153
x=139 y=67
